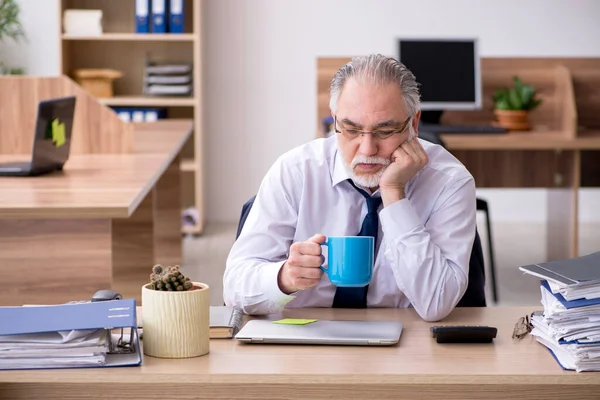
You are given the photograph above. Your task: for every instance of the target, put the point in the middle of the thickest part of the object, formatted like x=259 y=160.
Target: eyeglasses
x=379 y=134
x=522 y=327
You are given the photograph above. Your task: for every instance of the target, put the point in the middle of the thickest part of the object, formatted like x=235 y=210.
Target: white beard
x=367 y=180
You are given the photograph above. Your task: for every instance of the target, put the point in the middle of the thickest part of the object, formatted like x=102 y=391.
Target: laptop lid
x=54 y=125
x=361 y=333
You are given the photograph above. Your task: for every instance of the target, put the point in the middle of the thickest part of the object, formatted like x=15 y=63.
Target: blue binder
x=176 y=16
x=108 y=315
x=159 y=16
x=142 y=16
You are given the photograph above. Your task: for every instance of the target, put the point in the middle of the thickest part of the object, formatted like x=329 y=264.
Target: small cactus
x=169 y=279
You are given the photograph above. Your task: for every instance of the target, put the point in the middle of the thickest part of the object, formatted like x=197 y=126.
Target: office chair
x=474 y=295
x=482 y=205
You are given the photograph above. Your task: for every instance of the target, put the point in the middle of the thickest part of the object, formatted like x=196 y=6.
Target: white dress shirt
x=423 y=246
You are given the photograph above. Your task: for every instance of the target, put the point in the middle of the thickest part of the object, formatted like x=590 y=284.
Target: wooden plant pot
x=176 y=324
x=514 y=120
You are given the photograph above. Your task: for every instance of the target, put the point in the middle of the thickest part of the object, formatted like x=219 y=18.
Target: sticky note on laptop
x=294 y=321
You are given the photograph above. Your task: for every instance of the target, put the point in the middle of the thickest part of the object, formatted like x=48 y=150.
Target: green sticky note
x=294 y=321
x=58 y=133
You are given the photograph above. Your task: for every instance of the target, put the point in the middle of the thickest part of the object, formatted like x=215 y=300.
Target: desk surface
x=530 y=140
x=97 y=185
x=415 y=366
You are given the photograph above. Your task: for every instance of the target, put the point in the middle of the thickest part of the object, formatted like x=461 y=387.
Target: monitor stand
x=431 y=117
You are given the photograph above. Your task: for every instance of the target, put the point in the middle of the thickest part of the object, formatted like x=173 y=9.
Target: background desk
x=561 y=153
x=100 y=224
x=416 y=368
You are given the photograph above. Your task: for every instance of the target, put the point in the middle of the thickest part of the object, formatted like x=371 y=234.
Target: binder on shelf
x=176 y=16
x=72 y=335
x=159 y=16
x=142 y=16
x=123 y=113
x=138 y=114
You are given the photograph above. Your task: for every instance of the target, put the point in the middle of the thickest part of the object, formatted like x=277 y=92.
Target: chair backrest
x=431 y=137
x=474 y=295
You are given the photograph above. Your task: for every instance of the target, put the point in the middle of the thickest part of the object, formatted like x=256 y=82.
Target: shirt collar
x=339 y=172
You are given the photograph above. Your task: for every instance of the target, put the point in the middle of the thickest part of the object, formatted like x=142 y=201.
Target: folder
x=70 y=335
x=142 y=16
x=176 y=24
x=574 y=271
x=159 y=16
x=570 y=304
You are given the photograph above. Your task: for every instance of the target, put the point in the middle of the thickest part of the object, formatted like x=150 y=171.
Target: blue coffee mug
x=350 y=260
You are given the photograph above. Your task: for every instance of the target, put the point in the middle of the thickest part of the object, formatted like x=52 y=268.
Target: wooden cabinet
x=120 y=48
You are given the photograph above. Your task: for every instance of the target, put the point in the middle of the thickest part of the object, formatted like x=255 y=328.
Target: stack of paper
x=168 y=79
x=76 y=348
x=570 y=323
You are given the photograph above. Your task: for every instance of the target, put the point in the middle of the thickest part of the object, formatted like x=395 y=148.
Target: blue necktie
x=356 y=297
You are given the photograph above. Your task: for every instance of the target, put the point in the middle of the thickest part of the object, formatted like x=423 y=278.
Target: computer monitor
x=447 y=71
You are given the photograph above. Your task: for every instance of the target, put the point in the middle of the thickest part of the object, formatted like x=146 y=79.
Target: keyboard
x=482 y=129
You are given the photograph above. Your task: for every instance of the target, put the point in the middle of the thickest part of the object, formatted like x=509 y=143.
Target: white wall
x=260 y=68
x=39 y=52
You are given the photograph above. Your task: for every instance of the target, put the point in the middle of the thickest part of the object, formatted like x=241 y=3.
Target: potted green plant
x=513 y=104
x=175 y=315
x=10 y=28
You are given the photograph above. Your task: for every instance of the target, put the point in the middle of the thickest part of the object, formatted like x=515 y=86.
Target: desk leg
x=563 y=212
x=52 y=261
x=133 y=250
x=167 y=217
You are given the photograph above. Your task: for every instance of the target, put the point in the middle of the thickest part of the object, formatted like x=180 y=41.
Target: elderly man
x=374 y=175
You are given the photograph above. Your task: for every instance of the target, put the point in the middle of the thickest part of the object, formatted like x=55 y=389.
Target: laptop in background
x=52 y=140
x=357 y=333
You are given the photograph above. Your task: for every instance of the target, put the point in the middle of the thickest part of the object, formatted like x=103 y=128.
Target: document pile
x=168 y=80
x=54 y=349
x=69 y=335
x=569 y=326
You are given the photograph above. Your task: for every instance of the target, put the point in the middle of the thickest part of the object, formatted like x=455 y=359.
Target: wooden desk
x=417 y=367
x=101 y=223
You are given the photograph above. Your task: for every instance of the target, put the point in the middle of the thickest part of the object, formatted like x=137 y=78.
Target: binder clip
x=121 y=345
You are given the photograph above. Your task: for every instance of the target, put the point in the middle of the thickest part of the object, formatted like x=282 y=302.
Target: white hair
x=378 y=70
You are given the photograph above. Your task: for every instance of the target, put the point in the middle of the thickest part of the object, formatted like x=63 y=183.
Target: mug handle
x=325 y=243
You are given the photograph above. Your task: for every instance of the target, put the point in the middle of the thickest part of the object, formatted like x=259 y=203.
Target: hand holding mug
x=302 y=268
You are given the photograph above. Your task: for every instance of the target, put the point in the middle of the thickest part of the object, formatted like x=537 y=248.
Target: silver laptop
x=357 y=333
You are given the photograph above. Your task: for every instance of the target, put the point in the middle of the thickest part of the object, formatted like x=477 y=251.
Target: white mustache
x=369 y=160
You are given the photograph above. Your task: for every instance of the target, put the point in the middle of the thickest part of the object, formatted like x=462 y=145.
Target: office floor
x=515 y=245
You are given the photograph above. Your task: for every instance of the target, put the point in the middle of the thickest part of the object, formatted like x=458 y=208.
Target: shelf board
x=148 y=101
x=129 y=37
x=188 y=165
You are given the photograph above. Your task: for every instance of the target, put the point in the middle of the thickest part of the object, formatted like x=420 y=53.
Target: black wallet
x=464 y=334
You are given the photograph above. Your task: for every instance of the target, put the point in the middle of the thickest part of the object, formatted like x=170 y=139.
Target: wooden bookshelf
x=149 y=101
x=184 y=37
x=119 y=47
